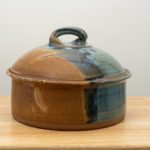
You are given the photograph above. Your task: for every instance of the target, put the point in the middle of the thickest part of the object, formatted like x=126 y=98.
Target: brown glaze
x=46 y=103
x=70 y=127
x=47 y=65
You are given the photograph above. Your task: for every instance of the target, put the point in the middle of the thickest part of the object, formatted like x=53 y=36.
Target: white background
x=120 y=27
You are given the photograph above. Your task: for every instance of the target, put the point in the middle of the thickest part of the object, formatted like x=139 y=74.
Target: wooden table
x=132 y=133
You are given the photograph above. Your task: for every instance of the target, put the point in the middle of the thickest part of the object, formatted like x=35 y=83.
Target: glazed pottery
x=68 y=86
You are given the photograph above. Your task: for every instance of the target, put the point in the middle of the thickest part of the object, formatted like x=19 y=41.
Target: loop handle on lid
x=80 y=33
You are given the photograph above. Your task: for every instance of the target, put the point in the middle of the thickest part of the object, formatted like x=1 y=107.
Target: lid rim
x=105 y=80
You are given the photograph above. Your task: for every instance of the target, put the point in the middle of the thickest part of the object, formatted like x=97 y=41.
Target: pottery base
x=88 y=126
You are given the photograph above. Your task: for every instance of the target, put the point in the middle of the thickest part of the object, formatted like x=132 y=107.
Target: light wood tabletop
x=132 y=133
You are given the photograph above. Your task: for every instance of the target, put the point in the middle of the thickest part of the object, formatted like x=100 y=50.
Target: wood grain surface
x=132 y=133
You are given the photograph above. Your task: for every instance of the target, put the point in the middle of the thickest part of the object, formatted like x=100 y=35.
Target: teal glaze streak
x=105 y=62
x=92 y=62
x=105 y=103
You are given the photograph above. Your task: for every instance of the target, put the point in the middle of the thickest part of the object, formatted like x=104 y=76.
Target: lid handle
x=80 y=33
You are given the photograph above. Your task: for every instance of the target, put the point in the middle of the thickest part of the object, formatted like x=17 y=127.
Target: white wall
x=121 y=27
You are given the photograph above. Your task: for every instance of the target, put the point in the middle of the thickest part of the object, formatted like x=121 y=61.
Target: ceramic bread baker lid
x=68 y=63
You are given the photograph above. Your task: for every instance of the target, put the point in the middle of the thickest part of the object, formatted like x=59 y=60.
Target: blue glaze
x=80 y=60
x=104 y=61
x=105 y=103
x=92 y=62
